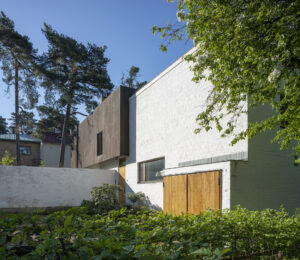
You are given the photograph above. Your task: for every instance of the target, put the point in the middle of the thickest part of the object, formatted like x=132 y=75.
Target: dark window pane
x=153 y=168
x=25 y=150
x=149 y=171
x=99 y=144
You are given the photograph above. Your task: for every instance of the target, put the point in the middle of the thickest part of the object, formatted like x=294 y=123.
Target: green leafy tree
x=131 y=80
x=17 y=64
x=74 y=71
x=52 y=120
x=3 y=125
x=249 y=50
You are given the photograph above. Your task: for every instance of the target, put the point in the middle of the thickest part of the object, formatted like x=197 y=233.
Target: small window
x=149 y=170
x=99 y=144
x=25 y=150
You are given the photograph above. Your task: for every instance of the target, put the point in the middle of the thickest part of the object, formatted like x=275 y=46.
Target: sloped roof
x=23 y=138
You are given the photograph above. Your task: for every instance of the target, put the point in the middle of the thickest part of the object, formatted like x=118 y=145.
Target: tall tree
x=131 y=80
x=17 y=56
x=3 y=125
x=52 y=120
x=249 y=50
x=76 y=72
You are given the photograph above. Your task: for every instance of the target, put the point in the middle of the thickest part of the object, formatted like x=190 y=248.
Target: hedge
x=127 y=234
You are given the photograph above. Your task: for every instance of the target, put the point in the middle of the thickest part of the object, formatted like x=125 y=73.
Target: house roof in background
x=23 y=138
x=54 y=138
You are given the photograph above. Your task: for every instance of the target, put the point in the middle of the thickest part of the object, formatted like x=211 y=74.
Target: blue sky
x=123 y=26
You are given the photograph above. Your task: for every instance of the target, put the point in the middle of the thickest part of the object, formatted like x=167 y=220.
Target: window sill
x=149 y=182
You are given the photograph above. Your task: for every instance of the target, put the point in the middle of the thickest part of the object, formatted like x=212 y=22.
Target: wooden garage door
x=175 y=194
x=192 y=193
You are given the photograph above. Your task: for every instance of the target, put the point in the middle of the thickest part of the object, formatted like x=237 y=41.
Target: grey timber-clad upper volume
x=111 y=119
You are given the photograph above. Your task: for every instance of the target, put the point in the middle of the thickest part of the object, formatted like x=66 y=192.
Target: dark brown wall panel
x=110 y=117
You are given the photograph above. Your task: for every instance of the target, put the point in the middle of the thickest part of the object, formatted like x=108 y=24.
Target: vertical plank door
x=122 y=181
x=175 y=194
x=204 y=192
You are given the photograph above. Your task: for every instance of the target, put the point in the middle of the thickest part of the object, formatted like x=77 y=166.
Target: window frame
x=99 y=153
x=27 y=147
x=143 y=164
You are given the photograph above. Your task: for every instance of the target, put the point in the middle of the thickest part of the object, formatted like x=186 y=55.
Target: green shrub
x=136 y=198
x=128 y=234
x=103 y=199
x=7 y=160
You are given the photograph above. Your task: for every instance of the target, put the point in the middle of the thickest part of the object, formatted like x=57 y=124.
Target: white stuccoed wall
x=50 y=155
x=162 y=122
x=48 y=187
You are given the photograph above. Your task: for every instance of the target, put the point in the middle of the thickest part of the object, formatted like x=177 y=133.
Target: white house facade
x=161 y=123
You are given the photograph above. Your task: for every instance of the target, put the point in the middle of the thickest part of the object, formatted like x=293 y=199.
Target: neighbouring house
x=29 y=148
x=148 y=137
x=50 y=150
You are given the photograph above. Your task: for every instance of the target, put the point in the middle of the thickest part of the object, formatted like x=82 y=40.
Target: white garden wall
x=48 y=187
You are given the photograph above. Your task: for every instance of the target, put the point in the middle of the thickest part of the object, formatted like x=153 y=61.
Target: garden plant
x=131 y=234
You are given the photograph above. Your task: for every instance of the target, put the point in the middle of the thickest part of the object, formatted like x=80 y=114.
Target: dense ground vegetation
x=132 y=234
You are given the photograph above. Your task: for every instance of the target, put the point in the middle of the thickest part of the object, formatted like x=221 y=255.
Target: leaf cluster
x=250 y=52
x=126 y=234
x=131 y=80
x=7 y=159
x=52 y=120
x=74 y=71
x=103 y=199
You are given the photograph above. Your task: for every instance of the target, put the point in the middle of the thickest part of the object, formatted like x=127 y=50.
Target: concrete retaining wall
x=41 y=187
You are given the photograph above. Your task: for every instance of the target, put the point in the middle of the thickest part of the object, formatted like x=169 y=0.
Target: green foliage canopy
x=249 y=50
x=27 y=122
x=76 y=72
x=52 y=120
x=17 y=55
x=131 y=81
x=3 y=125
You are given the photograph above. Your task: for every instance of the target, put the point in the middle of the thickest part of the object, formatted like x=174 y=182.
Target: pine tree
x=77 y=73
x=17 y=64
x=52 y=120
x=3 y=125
x=27 y=122
x=131 y=80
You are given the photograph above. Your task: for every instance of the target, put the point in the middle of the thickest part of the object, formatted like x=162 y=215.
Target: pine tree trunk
x=64 y=136
x=17 y=129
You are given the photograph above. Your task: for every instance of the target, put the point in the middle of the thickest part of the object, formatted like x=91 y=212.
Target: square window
x=25 y=150
x=149 y=170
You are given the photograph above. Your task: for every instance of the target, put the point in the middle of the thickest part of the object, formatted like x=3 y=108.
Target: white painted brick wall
x=162 y=122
